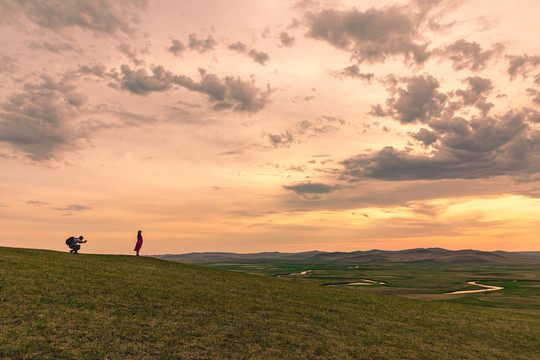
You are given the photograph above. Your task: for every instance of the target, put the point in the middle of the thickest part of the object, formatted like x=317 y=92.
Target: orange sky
x=270 y=126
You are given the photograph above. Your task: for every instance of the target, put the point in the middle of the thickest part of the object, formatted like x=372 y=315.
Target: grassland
x=62 y=306
x=421 y=280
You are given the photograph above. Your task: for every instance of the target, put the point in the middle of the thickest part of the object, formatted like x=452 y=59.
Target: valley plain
x=429 y=274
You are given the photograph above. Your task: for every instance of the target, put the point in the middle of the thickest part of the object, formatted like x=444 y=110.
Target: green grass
x=62 y=306
x=521 y=282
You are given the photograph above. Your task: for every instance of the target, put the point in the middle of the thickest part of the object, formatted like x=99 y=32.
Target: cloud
x=353 y=71
x=130 y=53
x=75 y=207
x=98 y=70
x=244 y=96
x=72 y=209
x=476 y=149
x=305 y=129
x=238 y=46
x=8 y=64
x=312 y=188
x=177 y=47
x=372 y=35
x=36 y=203
x=41 y=122
x=522 y=65
x=417 y=99
x=99 y=16
x=194 y=43
x=457 y=143
x=201 y=45
x=52 y=47
x=476 y=94
x=286 y=40
x=258 y=56
x=417 y=102
x=141 y=83
x=426 y=137
x=225 y=93
x=532 y=115
x=469 y=55
x=283 y=139
x=534 y=94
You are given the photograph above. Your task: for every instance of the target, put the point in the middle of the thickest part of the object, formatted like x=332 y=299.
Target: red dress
x=139 y=243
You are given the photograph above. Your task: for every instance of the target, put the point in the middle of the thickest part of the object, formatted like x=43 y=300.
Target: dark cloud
x=476 y=94
x=36 y=203
x=312 y=188
x=141 y=83
x=387 y=194
x=130 y=53
x=98 y=70
x=41 y=121
x=238 y=46
x=201 y=45
x=72 y=209
x=417 y=99
x=52 y=47
x=177 y=47
x=75 y=207
x=522 y=65
x=461 y=144
x=426 y=137
x=534 y=94
x=258 y=56
x=353 y=71
x=474 y=149
x=532 y=115
x=228 y=92
x=301 y=130
x=283 y=139
x=99 y=16
x=8 y=64
x=469 y=55
x=244 y=96
x=372 y=35
x=378 y=111
x=286 y=39
x=417 y=102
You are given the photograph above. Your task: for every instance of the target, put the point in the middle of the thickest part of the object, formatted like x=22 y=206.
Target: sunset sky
x=250 y=126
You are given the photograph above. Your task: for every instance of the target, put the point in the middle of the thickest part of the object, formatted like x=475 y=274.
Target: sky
x=251 y=126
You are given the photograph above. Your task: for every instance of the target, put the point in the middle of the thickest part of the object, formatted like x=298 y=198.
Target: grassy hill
x=61 y=306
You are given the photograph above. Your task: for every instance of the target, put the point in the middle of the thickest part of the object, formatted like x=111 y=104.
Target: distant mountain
x=411 y=255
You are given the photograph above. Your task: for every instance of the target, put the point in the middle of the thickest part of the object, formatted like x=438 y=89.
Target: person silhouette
x=138 y=245
x=74 y=244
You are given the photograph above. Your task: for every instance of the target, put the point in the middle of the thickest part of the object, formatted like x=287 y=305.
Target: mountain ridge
x=375 y=255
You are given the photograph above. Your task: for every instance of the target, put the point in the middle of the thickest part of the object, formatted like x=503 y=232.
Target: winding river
x=486 y=288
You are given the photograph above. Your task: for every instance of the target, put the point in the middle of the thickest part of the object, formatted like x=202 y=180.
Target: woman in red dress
x=139 y=243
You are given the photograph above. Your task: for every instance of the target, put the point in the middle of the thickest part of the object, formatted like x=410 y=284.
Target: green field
x=63 y=306
x=422 y=280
